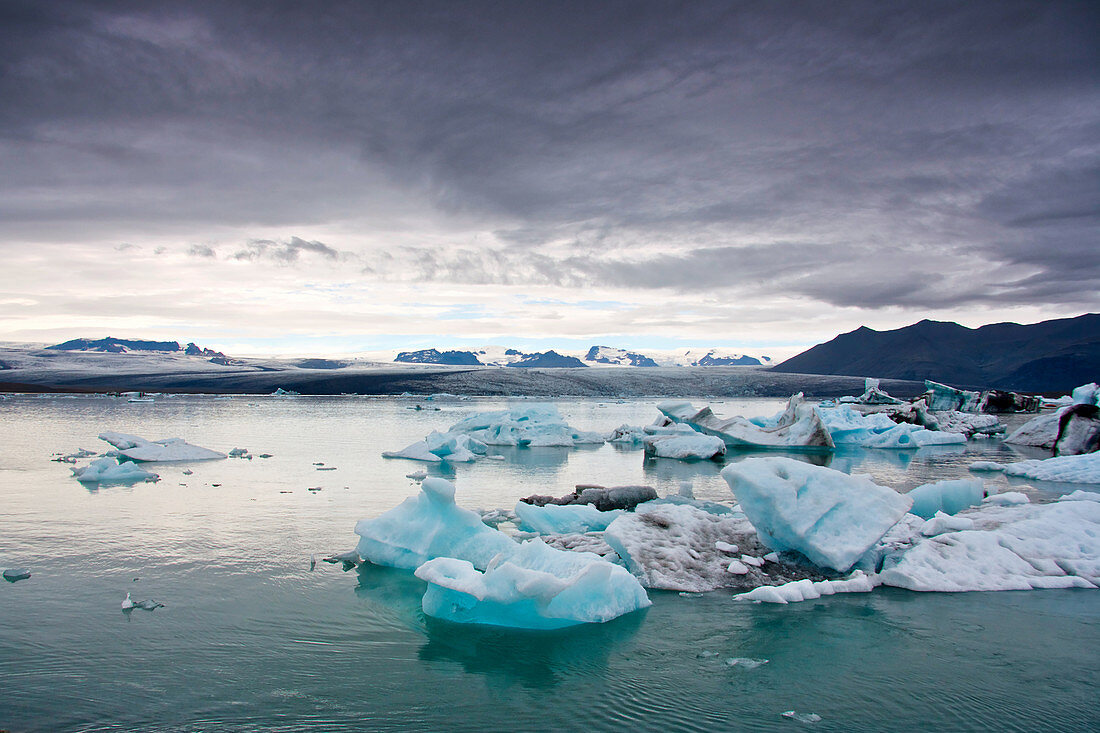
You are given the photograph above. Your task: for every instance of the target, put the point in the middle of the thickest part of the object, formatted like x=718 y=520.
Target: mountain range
x=1050 y=356
x=595 y=356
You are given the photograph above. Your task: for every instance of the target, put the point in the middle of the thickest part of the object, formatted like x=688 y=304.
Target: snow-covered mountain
x=595 y=356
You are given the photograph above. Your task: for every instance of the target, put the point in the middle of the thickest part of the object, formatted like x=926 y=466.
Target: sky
x=340 y=177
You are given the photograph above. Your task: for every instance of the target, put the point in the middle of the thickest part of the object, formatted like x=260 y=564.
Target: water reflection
x=531 y=659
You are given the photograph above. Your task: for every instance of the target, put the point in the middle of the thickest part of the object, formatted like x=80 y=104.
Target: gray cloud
x=912 y=154
x=282 y=252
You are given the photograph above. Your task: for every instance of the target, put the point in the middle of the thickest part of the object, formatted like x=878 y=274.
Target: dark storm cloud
x=836 y=150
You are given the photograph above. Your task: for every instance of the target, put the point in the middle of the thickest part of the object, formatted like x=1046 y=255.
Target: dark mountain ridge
x=1049 y=356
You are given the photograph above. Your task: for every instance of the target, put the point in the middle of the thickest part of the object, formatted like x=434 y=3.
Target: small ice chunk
x=1008 y=498
x=13 y=574
x=418 y=451
x=737 y=567
x=806 y=590
x=750 y=560
x=724 y=546
x=772 y=557
x=991 y=466
x=746 y=662
x=417 y=475
x=802 y=717
x=941 y=523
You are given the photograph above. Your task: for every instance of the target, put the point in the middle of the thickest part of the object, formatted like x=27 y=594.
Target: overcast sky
x=335 y=177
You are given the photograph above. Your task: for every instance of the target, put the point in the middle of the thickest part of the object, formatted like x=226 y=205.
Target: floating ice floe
x=876 y=430
x=828 y=516
x=15 y=574
x=942 y=397
x=427 y=526
x=807 y=590
x=1080 y=469
x=108 y=470
x=680 y=547
x=563 y=519
x=1008 y=547
x=798 y=427
x=467 y=440
x=685 y=446
x=150 y=451
x=949 y=497
x=987 y=466
x=530 y=425
x=533 y=587
x=1071 y=430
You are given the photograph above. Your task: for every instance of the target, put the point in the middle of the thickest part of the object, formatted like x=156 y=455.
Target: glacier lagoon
x=251 y=638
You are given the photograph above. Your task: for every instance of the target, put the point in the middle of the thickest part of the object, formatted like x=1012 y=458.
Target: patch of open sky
x=586 y=304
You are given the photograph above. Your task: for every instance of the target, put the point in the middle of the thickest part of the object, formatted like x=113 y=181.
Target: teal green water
x=252 y=639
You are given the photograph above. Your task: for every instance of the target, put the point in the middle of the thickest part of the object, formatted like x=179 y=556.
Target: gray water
x=251 y=639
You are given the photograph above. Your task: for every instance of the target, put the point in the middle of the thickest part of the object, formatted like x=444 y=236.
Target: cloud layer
x=796 y=168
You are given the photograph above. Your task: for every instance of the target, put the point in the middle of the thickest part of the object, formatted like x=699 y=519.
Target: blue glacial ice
x=533 y=587
x=536 y=425
x=427 y=526
x=849 y=427
x=563 y=519
x=828 y=516
x=108 y=470
x=950 y=497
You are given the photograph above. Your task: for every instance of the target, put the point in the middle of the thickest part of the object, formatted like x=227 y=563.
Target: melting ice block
x=108 y=470
x=950 y=497
x=689 y=446
x=427 y=526
x=170 y=449
x=830 y=517
x=564 y=519
x=529 y=425
x=808 y=590
x=798 y=427
x=1013 y=547
x=533 y=587
x=681 y=547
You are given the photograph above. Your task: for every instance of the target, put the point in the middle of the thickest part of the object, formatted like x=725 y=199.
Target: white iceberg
x=108 y=470
x=529 y=425
x=690 y=446
x=427 y=526
x=941 y=523
x=798 y=427
x=950 y=497
x=1081 y=469
x=1014 y=547
x=808 y=590
x=152 y=451
x=830 y=517
x=680 y=547
x=533 y=587
x=567 y=519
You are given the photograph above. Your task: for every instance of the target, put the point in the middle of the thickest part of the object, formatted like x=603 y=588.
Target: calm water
x=251 y=639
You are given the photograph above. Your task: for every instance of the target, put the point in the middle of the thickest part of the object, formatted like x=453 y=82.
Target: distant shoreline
x=478 y=381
